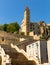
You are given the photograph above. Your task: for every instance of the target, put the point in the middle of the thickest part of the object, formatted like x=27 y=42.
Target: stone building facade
x=12 y=55
x=26 y=21
x=37 y=30
x=7 y=38
x=37 y=49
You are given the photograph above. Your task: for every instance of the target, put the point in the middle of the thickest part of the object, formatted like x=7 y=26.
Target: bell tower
x=27 y=15
x=26 y=21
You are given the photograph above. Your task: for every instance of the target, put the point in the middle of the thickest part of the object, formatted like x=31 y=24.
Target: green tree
x=13 y=27
x=10 y=28
x=1 y=27
x=5 y=27
x=16 y=25
x=49 y=32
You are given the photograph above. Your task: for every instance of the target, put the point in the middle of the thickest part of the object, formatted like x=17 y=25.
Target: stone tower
x=26 y=22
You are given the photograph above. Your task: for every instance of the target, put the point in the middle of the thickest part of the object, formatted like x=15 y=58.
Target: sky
x=13 y=10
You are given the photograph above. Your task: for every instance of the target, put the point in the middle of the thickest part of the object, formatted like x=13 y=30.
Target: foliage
x=1 y=27
x=43 y=36
x=11 y=27
x=27 y=33
x=5 y=27
x=22 y=33
x=48 y=31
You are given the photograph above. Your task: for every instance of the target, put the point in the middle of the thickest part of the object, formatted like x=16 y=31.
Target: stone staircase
x=4 y=57
x=33 y=59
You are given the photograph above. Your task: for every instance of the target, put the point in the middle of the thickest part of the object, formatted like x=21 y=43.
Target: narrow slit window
x=2 y=38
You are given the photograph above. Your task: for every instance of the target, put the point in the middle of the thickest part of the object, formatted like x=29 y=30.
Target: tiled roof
x=26 y=42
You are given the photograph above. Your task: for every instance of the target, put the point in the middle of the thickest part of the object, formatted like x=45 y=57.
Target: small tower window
x=2 y=38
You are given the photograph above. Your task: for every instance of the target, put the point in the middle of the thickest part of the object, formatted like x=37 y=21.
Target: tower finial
x=27 y=8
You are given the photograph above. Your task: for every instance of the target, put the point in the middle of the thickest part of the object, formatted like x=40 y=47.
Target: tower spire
x=27 y=8
x=26 y=21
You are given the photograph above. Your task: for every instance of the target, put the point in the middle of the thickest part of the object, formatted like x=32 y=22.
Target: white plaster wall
x=39 y=51
x=32 y=50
